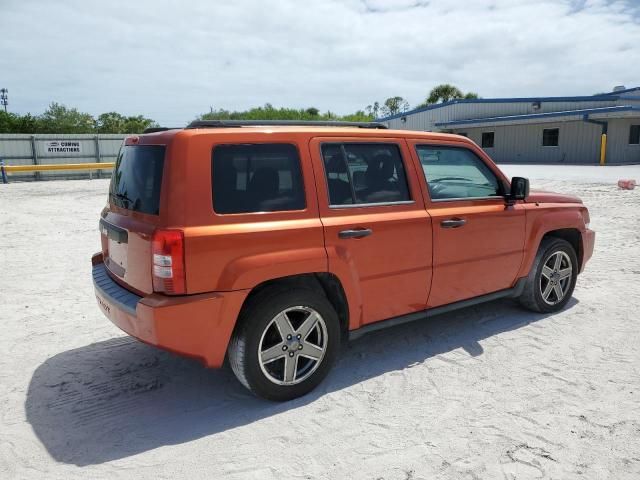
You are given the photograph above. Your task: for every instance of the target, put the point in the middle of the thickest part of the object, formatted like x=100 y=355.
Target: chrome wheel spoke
x=559 y=293
x=272 y=353
x=312 y=351
x=284 y=325
x=547 y=291
x=558 y=261
x=308 y=325
x=565 y=273
x=290 y=368
x=546 y=272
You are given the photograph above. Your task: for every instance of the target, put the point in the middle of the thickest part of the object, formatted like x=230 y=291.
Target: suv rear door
x=478 y=240
x=377 y=231
x=132 y=214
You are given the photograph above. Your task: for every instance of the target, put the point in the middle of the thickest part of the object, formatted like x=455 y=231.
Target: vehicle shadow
x=119 y=397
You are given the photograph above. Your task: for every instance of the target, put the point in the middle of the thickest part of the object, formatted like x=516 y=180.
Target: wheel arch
x=326 y=283
x=572 y=236
x=567 y=224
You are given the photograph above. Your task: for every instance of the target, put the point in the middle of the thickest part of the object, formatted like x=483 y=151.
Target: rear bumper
x=198 y=326
x=588 y=241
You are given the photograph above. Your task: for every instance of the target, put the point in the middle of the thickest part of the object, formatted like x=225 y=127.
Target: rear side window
x=256 y=178
x=364 y=173
x=454 y=173
x=137 y=178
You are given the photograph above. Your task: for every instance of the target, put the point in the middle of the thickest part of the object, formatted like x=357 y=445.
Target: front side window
x=634 y=135
x=364 y=173
x=248 y=178
x=488 y=139
x=454 y=173
x=550 y=137
x=137 y=178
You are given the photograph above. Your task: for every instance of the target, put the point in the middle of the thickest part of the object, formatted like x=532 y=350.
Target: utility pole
x=4 y=98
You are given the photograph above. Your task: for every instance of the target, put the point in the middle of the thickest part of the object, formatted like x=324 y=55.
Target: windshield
x=137 y=178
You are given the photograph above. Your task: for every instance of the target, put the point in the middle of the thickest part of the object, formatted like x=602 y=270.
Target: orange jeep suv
x=270 y=243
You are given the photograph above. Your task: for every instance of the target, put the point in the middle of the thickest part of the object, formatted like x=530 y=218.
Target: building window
x=487 y=139
x=550 y=137
x=634 y=135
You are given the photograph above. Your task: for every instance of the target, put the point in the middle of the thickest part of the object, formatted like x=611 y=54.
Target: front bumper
x=588 y=242
x=198 y=326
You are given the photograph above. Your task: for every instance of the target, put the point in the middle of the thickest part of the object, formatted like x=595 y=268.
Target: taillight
x=168 y=262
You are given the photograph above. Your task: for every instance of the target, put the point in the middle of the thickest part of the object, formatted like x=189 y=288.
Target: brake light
x=168 y=262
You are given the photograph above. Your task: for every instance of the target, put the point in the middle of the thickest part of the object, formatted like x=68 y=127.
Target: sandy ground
x=489 y=392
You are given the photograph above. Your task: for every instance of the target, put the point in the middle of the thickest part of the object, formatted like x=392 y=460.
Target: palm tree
x=445 y=93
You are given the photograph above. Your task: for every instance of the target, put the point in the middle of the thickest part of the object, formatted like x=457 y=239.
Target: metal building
x=51 y=149
x=593 y=129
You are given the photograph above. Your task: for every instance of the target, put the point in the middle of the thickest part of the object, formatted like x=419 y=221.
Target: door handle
x=453 y=223
x=357 y=233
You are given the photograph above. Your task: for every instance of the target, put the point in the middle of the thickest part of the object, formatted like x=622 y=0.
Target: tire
x=545 y=271
x=273 y=320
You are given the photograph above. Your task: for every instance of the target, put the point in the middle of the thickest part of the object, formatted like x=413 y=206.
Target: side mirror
x=519 y=189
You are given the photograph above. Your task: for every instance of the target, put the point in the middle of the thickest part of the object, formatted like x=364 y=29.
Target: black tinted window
x=550 y=137
x=488 y=139
x=137 y=178
x=634 y=134
x=364 y=173
x=256 y=178
x=456 y=173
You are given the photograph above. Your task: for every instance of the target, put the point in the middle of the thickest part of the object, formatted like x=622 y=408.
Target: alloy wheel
x=556 y=277
x=293 y=345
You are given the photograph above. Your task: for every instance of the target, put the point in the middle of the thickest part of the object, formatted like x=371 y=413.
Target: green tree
x=358 y=116
x=26 y=124
x=113 y=122
x=14 y=123
x=373 y=110
x=445 y=93
x=7 y=122
x=137 y=124
x=394 y=105
x=110 y=122
x=269 y=112
x=60 y=119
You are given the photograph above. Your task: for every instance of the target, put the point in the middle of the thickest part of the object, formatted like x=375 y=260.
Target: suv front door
x=478 y=240
x=376 y=228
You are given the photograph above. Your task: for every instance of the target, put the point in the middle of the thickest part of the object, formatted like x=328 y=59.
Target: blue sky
x=173 y=60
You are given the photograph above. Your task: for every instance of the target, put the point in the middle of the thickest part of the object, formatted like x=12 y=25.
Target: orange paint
x=409 y=262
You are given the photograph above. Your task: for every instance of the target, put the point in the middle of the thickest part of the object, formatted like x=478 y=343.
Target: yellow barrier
x=603 y=149
x=62 y=166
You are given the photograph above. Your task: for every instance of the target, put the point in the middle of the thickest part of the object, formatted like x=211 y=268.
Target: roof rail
x=281 y=123
x=158 y=129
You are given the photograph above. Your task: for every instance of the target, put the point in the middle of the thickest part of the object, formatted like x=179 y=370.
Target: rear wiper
x=122 y=196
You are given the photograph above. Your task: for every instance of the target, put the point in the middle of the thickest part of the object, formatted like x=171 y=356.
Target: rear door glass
x=137 y=178
x=248 y=178
x=364 y=173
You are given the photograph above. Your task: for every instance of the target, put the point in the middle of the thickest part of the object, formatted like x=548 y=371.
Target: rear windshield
x=137 y=178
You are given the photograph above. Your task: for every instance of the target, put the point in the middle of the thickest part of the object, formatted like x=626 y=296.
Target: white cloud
x=172 y=60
